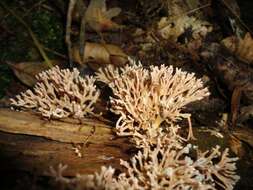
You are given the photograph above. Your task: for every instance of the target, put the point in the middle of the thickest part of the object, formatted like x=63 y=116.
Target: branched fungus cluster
x=60 y=93
x=149 y=102
x=163 y=167
x=145 y=98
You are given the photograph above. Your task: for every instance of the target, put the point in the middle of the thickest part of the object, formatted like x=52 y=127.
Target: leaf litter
x=173 y=39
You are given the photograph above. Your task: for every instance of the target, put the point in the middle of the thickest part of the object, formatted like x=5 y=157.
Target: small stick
x=189 y=12
x=68 y=31
x=82 y=37
x=55 y=52
x=237 y=17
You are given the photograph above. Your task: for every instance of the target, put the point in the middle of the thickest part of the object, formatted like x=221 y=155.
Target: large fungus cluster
x=149 y=102
x=145 y=98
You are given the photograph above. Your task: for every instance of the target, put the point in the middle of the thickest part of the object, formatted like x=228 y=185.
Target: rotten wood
x=37 y=154
x=62 y=131
x=27 y=142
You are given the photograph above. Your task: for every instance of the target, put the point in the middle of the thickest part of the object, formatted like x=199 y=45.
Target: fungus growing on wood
x=60 y=93
x=163 y=167
x=166 y=167
x=145 y=98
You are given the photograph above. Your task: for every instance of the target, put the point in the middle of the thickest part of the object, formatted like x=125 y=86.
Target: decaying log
x=32 y=144
x=36 y=154
x=63 y=131
x=25 y=144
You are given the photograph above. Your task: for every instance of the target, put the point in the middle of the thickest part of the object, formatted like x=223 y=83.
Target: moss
x=5 y=78
x=48 y=29
x=18 y=45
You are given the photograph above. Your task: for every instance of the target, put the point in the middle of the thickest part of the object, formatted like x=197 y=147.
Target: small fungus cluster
x=60 y=93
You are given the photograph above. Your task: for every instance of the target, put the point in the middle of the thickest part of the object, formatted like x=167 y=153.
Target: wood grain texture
x=31 y=144
x=37 y=154
x=63 y=131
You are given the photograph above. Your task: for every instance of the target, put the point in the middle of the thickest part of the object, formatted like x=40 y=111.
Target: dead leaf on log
x=100 y=54
x=26 y=71
x=242 y=48
x=98 y=18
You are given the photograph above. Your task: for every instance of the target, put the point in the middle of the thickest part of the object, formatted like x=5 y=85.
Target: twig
x=34 y=38
x=55 y=52
x=33 y=7
x=82 y=37
x=189 y=12
x=198 y=8
x=237 y=17
x=68 y=30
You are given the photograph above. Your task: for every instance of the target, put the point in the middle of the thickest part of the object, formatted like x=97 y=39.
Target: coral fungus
x=145 y=98
x=168 y=168
x=60 y=93
x=164 y=167
x=149 y=102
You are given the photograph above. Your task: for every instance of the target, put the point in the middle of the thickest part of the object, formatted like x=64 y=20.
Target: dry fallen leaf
x=242 y=48
x=244 y=134
x=98 y=18
x=100 y=54
x=235 y=104
x=246 y=113
x=26 y=71
x=178 y=7
x=172 y=28
x=236 y=146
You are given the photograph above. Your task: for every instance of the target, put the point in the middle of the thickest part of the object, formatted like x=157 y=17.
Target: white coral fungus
x=165 y=167
x=168 y=168
x=145 y=98
x=60 y=93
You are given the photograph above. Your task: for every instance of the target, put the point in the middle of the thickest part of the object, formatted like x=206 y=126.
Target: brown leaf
x=98 y=18
x=26 y=71
x=246 y=113
x=100 y=54
x=245 y=134
x=172 y=28
x=242 y=48
x=233 y=73
x=235 y=104
x=236 y=146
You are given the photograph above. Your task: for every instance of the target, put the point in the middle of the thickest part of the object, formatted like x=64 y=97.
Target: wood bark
x=30 y=143
x=63 y=131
